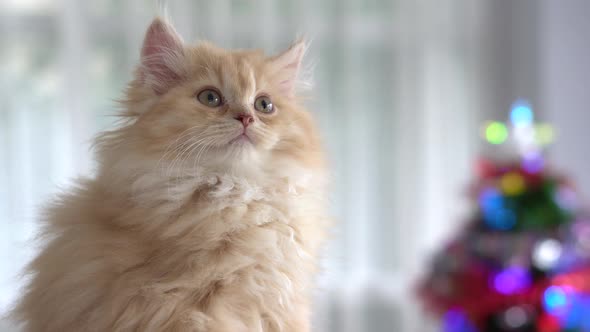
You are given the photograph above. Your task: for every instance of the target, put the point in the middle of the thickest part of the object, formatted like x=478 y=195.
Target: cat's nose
x=246 y=119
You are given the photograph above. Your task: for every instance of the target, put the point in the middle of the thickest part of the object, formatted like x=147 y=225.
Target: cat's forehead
x=237 y=73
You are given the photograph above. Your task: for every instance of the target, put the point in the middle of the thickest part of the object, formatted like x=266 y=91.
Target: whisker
x=170 y=148
x=203 y=151
x=174 y=147
x=179 y=159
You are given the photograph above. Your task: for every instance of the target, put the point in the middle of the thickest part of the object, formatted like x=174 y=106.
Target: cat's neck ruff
x=219 y=184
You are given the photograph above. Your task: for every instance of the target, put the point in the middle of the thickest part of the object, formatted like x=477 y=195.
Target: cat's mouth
x=241 y=138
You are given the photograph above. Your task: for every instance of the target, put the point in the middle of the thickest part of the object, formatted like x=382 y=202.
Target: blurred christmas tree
x=522 y=263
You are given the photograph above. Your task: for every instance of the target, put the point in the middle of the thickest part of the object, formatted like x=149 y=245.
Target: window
x=394 y=93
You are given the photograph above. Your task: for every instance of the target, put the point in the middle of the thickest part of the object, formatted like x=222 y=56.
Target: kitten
x=206 y=212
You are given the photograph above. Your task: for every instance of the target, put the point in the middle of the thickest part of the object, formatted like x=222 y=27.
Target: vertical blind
x=394 y=97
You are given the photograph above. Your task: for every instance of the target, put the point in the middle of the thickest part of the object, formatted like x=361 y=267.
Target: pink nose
x=246 y=119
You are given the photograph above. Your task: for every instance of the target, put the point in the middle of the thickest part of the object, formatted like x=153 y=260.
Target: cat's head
x=200 y=105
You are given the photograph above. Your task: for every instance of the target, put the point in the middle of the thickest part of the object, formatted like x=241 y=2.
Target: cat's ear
x=287 y=67
x=162 y=55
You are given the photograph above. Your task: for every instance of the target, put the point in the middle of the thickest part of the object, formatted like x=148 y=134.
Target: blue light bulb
x=555 y=299
x=521 y=113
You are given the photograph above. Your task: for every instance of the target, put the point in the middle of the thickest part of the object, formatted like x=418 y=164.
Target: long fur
x=181 y=229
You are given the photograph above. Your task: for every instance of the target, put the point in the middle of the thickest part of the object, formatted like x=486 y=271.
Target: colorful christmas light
x=496 y=132
x=522 y=263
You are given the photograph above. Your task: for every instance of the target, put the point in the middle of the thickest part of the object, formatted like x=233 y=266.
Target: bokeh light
x=546 y=253
x=567 y=198
x=581 y=233
x=516 y=317
x=524 y=137
x=495 y=214
x=490 y=199
x=512 y=280
x=512 y=184
x=457 y=321
x=548 y=323
x=496 y=133
x=521 y=113
x=555 y=299
x=533 y=162
x=544 y=134
x=501 y=219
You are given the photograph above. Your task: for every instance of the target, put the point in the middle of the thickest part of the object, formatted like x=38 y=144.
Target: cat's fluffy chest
x=232 y=236
x=224 y=195
x=222 y=215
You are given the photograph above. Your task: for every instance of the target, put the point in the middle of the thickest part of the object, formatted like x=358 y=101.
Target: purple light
x=566 y=198
x=456 y=321
x=512 y=280
x=533 y=162
x=581 y=232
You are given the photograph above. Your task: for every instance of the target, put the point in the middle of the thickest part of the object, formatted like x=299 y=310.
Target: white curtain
x=565 y=83
x=398 y=96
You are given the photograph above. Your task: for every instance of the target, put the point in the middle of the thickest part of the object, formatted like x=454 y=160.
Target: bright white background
x=402 y=87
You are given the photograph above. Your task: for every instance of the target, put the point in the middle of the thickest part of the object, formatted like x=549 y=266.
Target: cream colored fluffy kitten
x=206 y=210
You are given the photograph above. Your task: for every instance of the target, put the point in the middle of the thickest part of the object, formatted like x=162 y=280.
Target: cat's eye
x=263 y=104
x=210 y=98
